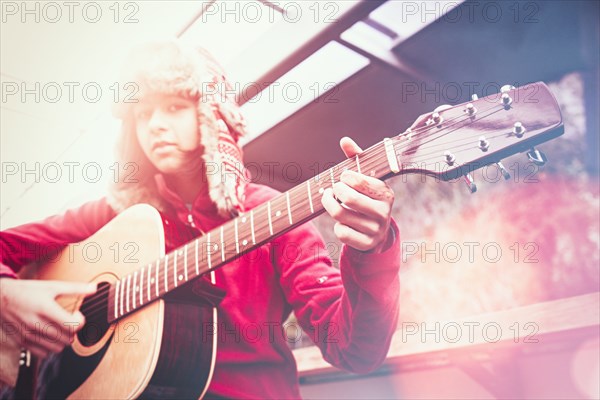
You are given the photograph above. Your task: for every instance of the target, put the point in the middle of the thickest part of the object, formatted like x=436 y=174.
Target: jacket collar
x=203 y=209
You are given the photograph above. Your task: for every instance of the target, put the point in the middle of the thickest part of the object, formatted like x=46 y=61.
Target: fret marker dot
x=372 y=173
x=137 y=288
x=180 y=252
x=243 y=219
x=180 y=277
x=152 y=280
x=216 y=246
x=321 y=190
x=244 y=242
x=278 y=213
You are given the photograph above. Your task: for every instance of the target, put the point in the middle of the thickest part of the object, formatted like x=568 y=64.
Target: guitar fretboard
x=241 y=235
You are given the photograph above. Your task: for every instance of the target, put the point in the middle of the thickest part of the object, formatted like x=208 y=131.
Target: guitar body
x=159 y=351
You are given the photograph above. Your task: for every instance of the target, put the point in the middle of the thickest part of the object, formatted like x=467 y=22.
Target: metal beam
x=387 y=58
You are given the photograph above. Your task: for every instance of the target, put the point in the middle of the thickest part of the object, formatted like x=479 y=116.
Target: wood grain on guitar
x=448 y=143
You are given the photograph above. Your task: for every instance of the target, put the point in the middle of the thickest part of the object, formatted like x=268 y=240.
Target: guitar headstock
x=455 y=140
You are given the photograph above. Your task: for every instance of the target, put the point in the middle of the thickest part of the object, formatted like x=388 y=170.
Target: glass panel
x=327 y=67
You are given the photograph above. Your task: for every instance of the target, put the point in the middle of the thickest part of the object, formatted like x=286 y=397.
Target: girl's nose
x=156 y=121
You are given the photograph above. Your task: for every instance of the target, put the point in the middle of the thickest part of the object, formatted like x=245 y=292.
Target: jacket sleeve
x=42 y=240
x=350 y=313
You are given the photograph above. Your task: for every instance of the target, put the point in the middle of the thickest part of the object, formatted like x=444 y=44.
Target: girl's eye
x=175 y=107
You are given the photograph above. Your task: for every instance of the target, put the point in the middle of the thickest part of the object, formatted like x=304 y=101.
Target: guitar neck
x=446 y=144
x=242 y=234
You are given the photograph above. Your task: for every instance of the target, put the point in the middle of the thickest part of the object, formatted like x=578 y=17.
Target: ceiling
x=389 y=61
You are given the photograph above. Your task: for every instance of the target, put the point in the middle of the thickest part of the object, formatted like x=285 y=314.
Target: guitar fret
x=148 y=283
x=318 y=182
x=208 y=252
x=243 y=232
x=287 y=196
x=357 y=164
x=185 y=271
x=127 y=295
x=122 y=295
x=269 y=216
x=237 y=239
x=156 y=277
x=117 y=299
x=134 y=287
x=222 y=245
x=175 y=268
x=252 y=226
x=332 y=177
x=197 y=269
x=166 y=273
x=391 y=157
x=142 y=286
x=312 y=209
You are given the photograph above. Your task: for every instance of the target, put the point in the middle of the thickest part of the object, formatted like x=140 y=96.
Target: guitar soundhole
x=95 y=310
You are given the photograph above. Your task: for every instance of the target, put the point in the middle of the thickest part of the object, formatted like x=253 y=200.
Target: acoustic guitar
x=141 y=339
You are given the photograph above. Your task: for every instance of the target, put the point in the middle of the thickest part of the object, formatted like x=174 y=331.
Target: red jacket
x=350 y=313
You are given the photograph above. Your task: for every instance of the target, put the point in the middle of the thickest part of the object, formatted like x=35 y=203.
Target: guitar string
x=446 y=127
x=98 y=302
x=455 y=146
x=92 y=304
x=92 y=310
x=467 y=119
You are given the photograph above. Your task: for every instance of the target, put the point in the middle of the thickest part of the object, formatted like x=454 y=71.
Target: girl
x=183 y=134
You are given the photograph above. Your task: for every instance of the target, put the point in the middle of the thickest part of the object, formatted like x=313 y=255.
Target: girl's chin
x=168 y=168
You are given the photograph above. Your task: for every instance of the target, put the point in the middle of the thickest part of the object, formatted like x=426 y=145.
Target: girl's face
x=167 y=130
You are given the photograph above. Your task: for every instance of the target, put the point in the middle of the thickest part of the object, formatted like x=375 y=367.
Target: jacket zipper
x=191 y=220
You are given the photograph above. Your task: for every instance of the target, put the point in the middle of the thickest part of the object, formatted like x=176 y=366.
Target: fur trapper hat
x=171 y=67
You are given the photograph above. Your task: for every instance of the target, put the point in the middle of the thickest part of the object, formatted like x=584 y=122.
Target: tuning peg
x=484 y=144
x=506 y=100
x=470 y=109
x=450 y=158
x=474 y=97
x=518 y=129
x=537 y=157
x=470 y=183
x=436 y=119
x=503 y=170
